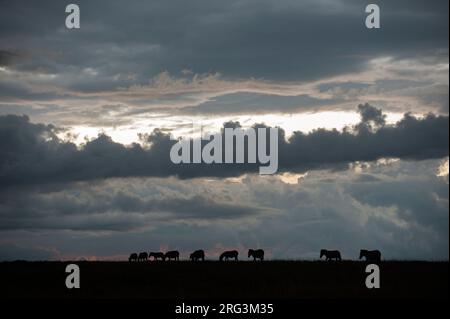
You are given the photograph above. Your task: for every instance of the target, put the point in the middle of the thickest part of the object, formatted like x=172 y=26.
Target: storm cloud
x=402 y=210
x=33 y=153
x=229 y=37
x=253 y=47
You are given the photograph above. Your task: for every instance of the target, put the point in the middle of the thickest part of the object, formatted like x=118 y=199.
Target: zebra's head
x=362 y=253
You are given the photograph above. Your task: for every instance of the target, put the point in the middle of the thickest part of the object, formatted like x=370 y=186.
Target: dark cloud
x=33 y=153
x=403 y=212
x=371 y=115
x=74 y=208
x=7 y=57
x=10 y=92
x=254 y=103
x=285 y=40
x=11 y=251
x=128 y=43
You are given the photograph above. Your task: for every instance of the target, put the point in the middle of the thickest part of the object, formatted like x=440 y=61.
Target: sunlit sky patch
x=182 y=126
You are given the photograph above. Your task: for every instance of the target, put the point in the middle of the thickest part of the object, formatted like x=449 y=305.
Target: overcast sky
x=86 y=117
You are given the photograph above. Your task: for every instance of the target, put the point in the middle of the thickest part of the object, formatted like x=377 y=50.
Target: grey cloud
x=283 y=42
x=33 y=154
x=370 y=114
x=96 y=209
x=10 y=92
x=410 y=199
x=11 y=251
x=239 y=39
x=345 y=214
x=254 y=103
x=7 y=57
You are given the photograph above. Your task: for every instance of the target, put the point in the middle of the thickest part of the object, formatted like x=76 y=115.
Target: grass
x=188 y=280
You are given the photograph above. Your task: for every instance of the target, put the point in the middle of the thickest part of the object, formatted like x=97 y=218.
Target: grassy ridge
x=270 y=279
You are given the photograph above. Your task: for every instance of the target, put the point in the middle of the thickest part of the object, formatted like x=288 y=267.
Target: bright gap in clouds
x=182 y=125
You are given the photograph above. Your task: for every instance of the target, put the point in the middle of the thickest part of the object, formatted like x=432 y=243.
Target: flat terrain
x=187 y=280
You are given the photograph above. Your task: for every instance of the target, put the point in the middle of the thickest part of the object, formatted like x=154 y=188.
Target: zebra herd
x=144 y=256
x=256 y=254
x=198 y=255
x=369 y=255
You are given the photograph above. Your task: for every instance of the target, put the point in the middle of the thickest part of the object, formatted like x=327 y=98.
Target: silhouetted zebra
x=330 y=254
x=233 y=254
x=175 y=255
x=256 y=254
x=143 y=256
x=133 y=257
x=156 y=255
x=197 y=255
x=370 y=255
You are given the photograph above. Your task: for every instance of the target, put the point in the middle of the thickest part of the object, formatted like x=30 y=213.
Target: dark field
x=186 y=280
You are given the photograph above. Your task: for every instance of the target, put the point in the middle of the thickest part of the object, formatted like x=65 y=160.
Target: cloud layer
x=34 y=154
x=399 y=207
x=219 y=58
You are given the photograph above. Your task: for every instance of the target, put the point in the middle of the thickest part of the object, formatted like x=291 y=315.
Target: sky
x=88 y=117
